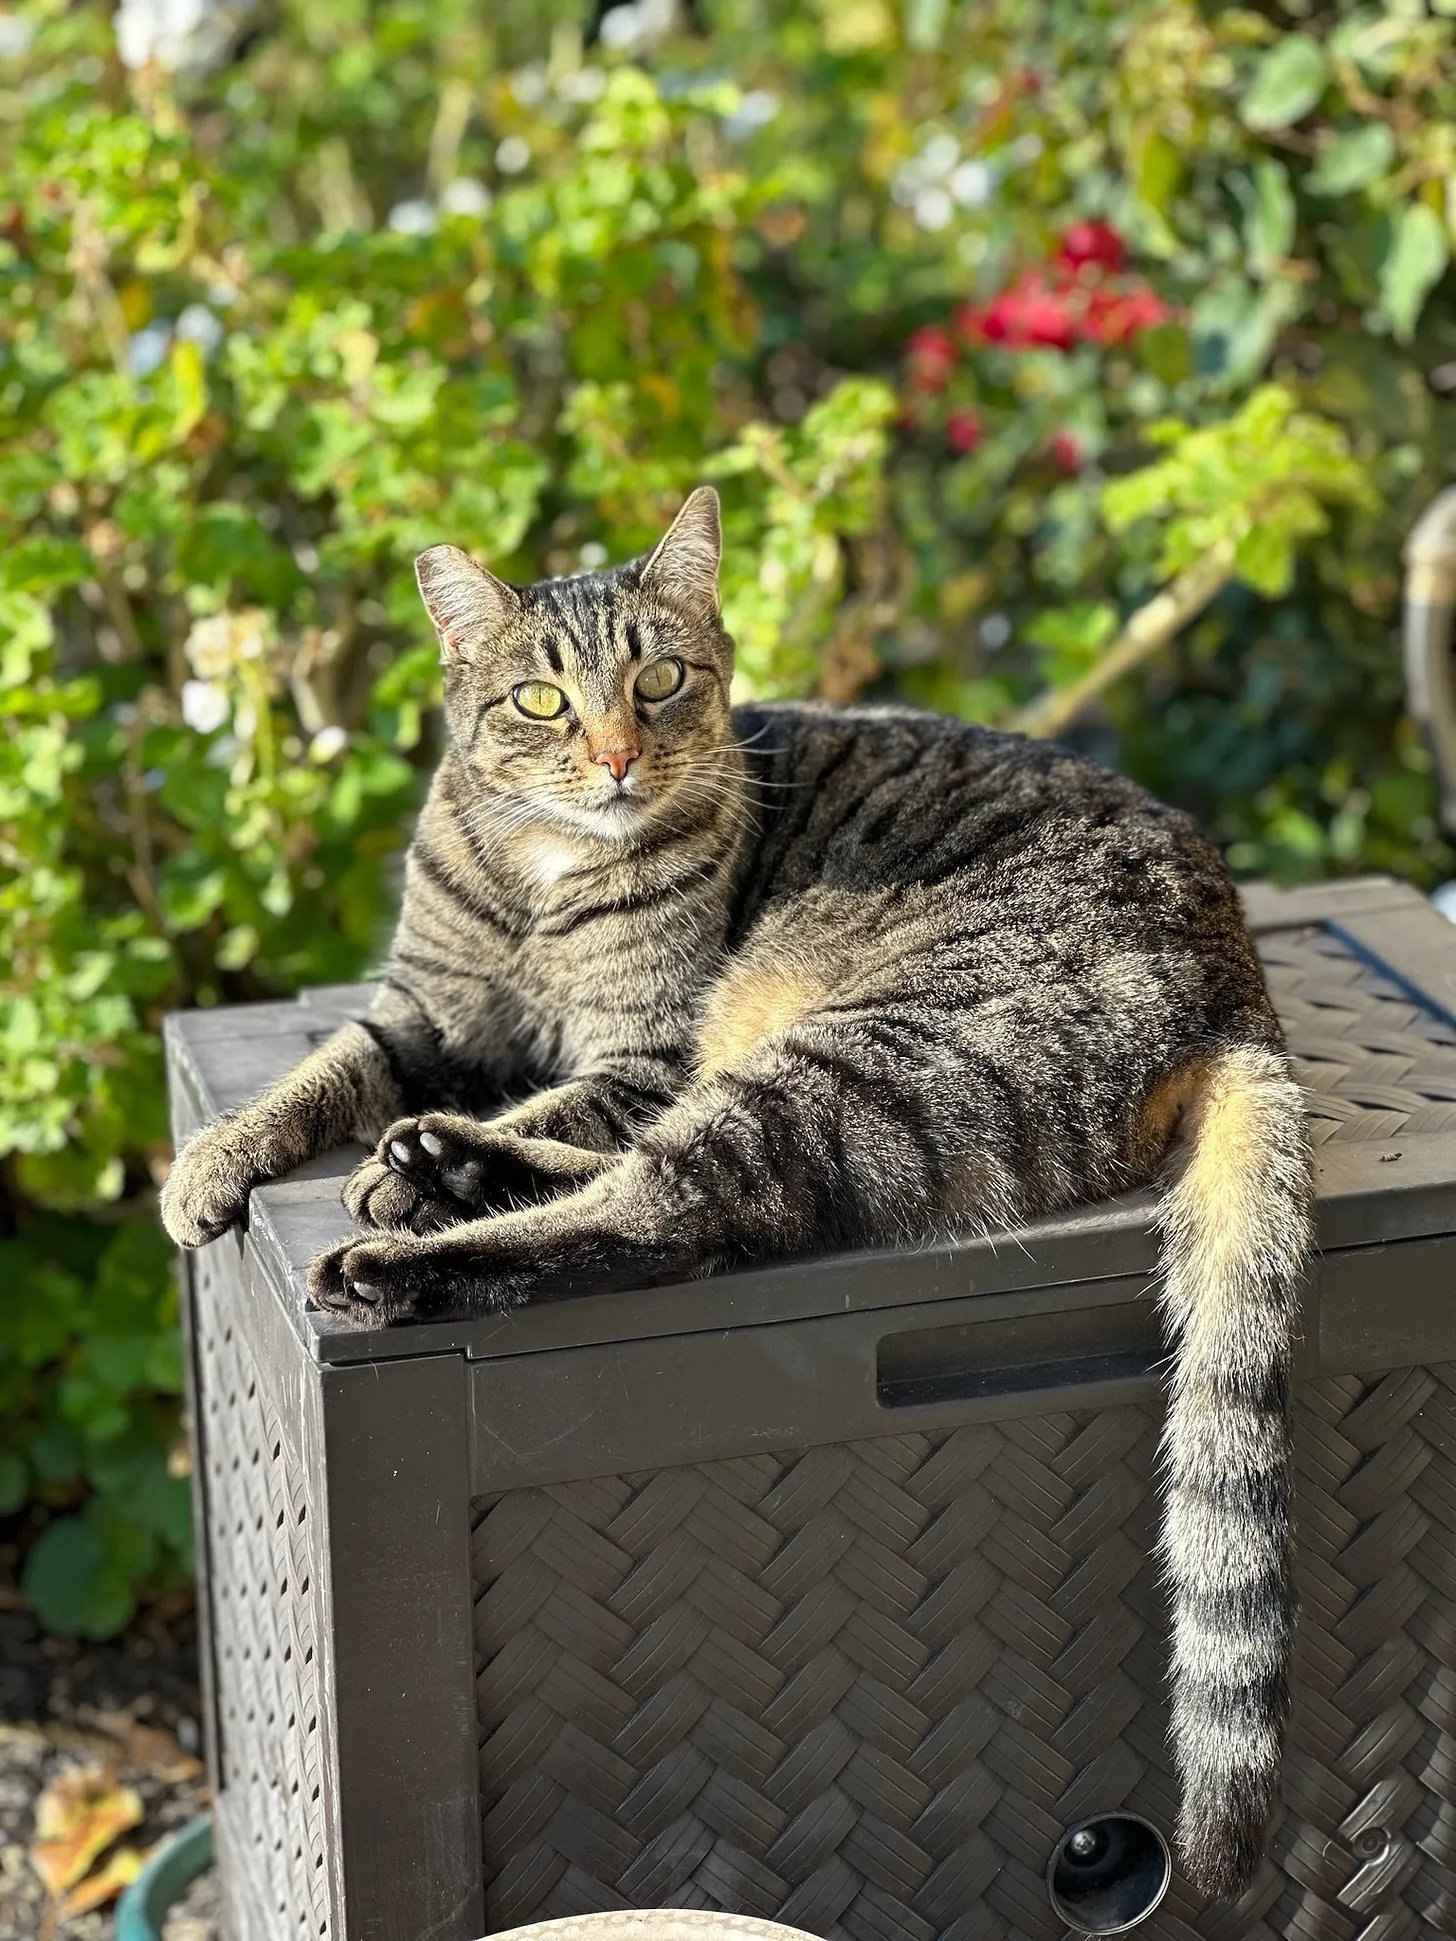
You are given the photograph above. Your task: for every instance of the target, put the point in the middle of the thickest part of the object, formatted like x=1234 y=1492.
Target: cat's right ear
x=467 y=603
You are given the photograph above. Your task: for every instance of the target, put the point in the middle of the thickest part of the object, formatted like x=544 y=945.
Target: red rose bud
x=970 y=323
x=1065 y=450
x=931 y=341
x=932 y=357
x=1093 y=243
x=963 y=432
x=1030 y=314
x=1115 y=317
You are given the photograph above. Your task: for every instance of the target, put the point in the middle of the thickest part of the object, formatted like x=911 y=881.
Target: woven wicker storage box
x=822 y=1594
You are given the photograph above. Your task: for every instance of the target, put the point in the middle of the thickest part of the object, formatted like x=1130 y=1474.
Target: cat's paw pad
x=435 y=1156
x=206 y=1190
x=377 y=1195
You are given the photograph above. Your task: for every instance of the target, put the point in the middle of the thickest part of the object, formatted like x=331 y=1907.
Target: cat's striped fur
x=675 y=988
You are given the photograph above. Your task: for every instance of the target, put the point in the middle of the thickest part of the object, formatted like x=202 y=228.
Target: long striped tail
x=1236 y=1234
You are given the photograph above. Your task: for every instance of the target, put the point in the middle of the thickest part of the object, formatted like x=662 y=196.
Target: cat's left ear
x=685 y=560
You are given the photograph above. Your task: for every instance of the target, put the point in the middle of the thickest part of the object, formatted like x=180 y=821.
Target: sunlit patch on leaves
x=1287 y=83
x=1257 y=487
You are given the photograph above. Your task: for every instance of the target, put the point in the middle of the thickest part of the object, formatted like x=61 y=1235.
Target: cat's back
x=924 y=813
x=879 y=788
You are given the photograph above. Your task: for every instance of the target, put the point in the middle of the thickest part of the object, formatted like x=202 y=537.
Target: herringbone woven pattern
x=1376 y=1064
x=262 y=1608
x=862 y=1689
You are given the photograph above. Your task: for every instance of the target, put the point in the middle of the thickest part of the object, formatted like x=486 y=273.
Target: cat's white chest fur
x=548 y=861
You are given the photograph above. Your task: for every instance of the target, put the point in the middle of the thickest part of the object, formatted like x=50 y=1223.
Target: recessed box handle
x=986 y=1360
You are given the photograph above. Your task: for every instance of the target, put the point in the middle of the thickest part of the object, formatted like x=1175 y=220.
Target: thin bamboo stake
x=1149 y=629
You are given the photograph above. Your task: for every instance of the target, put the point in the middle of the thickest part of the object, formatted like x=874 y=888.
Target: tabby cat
x=677 y=987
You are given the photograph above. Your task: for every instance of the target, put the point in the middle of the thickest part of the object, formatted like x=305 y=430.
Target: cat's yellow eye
x=659 y=679
x=539 y=700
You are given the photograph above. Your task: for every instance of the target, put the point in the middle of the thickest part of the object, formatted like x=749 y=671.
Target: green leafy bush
x=1029 y=347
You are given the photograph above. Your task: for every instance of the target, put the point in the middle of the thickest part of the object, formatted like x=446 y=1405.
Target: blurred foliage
x=989 y=319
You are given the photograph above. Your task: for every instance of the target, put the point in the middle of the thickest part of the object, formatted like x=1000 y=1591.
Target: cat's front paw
x=206 y=1190
x=375 y=1283
x=382 y=1279
x=377 y=1194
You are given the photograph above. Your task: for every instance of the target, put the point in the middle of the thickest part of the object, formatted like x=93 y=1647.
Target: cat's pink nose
x=616 y=760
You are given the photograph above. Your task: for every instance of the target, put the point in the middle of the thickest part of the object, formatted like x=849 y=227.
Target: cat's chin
x=613 y=819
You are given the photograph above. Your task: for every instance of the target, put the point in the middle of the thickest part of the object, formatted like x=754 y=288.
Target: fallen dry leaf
x=101 y=1888
x=148 y=1747
x=76 y=1819
x=56 y=1737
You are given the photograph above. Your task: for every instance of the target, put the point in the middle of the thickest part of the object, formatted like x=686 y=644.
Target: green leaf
x=1412 y=266
x=1265 y=560
x=42 y=565
x=1236 y=326
x=13 y=1480
x=1353 y=160
x=226 y=545
x=189 y=889
x=1269 y=228
x=1158 y=171
x=925 y=24
x=75 y=1585
x=236 y=948
x=1167 y=351
x=187 y=390
x=57 y=1453
x=1288 y=81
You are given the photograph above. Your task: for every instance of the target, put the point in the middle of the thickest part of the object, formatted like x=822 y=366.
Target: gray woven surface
x=863 y=1689
x=1375 y=1062
x=263 y=1613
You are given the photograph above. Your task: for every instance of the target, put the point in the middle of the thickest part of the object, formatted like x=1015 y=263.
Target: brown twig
x=452 y=117
x=1149 y=629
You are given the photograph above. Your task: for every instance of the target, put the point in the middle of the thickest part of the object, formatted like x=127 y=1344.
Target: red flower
x=1094 y=244
x=1115 y=317
x=1030 y=313
x=1066 y=453
x=968 y=323
x=932 y=358
x=963 y=432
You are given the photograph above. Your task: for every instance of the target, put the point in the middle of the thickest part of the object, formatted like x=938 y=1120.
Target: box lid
x=1363 y=974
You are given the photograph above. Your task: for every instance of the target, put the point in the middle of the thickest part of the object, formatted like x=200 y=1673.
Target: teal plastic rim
x=163 y=1881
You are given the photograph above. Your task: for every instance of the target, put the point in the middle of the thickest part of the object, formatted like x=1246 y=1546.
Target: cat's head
x=598 y=699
